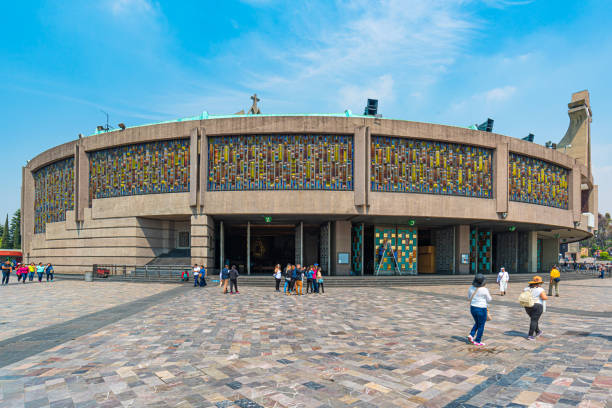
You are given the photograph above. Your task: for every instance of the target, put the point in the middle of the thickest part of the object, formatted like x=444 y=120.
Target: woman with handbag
x=478 y=296
x=535 y=311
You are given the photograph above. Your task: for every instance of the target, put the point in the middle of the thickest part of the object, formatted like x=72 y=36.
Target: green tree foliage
x=6 y=238
x=15 y=230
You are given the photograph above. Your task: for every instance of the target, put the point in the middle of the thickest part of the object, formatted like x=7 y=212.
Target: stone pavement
x=34 y=305
x=370 y=347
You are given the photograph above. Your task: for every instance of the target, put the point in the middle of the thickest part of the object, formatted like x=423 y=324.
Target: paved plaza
x=179 y=346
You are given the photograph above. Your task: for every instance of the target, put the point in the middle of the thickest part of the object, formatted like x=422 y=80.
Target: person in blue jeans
x=6 y=272
x=479 y=297
x=49 y=271
x=196 y=274
x=40 y=269
x=202 y=276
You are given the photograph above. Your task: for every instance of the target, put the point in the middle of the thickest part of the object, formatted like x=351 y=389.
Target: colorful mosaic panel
x=404 y=242
x=357 y=249
x=280 y=162
x=53 y=193
x=422 y=166
x=537 y=182
x=144 y=168
x=480 y=251
x=484 y=251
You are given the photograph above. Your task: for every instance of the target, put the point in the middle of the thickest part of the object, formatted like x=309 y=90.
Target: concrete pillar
x=81 y=181
x=361 y=165
x=462 y=247
x=203 y=166
x=532 y=248
x=341 y=242
x=248 y=246
x=202 y=240
x=221 y=245
x=575 y=194
x=593 y=205
x=550 y=253
x=193 y=167
x=501 y=178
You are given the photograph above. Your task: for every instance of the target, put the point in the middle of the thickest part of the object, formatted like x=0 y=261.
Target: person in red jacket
x=22 y=272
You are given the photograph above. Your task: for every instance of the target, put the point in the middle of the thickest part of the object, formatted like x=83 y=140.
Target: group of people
x=296 y=278
x=532 y=298
x=24 y=271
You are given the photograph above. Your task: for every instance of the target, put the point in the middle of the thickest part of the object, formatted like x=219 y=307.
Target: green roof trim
x=206 y=116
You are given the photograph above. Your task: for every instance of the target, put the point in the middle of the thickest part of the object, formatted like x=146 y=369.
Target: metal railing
x=140 y=272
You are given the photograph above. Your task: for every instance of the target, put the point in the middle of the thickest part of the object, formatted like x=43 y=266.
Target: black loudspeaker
x=371 y=108
x=486 y=126
x=529 y=137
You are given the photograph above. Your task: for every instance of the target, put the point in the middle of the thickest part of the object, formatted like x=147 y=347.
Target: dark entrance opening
x=271 y=245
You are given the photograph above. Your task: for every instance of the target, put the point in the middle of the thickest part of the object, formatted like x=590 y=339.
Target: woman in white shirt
x=535 y=312
x=277 y=276
x=502 y=279
x=479 y=296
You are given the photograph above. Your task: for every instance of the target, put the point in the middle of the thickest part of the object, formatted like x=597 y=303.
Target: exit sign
x=268 y=219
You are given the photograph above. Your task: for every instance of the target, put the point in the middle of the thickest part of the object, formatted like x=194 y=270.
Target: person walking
x=478 y=296
x=295 y=271
x=233 y=277
x=49 y=271
x=31 y=271
x=277 y=276
x=539 y=298
x=6 y=272
x=555 y=277
x=202 y=276
x=40 y=269
x=225 y=273
x=22 y=273
x=315 y=285
x=196 y=274
x=502 y=279
x=320 y=286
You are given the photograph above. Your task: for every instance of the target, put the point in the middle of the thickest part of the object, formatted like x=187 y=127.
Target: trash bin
x=88 y=276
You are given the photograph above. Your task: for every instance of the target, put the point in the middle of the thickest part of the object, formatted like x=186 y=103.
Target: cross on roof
x=254 y=108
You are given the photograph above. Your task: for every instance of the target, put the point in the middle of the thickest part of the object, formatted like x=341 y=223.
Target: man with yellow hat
x=555 y=277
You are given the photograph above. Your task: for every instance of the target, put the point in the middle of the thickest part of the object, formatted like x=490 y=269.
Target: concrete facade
x=136 y=229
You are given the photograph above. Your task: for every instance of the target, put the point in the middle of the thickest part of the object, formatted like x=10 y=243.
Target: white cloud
x=120 y=7
x=380 y=88
x=500 y=94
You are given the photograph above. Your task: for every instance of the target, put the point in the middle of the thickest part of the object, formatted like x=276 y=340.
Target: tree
x=6 y=238
x=15 y=231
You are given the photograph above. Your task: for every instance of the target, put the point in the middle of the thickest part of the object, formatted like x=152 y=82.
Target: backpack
x=525 y=299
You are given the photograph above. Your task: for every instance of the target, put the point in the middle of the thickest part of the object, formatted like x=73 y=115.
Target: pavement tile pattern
x=33 y=305
x=351 y=347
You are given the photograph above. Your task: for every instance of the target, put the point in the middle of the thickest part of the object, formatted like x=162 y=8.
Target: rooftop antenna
x=104 y=128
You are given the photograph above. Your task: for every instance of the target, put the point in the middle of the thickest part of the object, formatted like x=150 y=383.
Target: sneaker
x=530 y=338
x=538 y=334
x=471 y=338
x=237 y=292
x=479 y=344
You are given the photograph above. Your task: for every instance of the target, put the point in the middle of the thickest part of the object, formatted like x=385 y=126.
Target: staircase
x=172 y=274
x=174 y=257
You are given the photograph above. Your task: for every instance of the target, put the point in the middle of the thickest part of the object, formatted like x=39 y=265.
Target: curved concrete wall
x=135 y=229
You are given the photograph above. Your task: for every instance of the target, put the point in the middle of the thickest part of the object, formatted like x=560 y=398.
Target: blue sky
x=449 y=62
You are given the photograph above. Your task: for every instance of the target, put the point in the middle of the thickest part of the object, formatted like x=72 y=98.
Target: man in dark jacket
x=225 y=277
x=233 y=277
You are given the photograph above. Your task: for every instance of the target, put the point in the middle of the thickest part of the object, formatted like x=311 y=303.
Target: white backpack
x=525 y=299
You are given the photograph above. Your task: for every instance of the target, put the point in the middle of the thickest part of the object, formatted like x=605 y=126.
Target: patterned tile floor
x=383 y=347
x=27 y=306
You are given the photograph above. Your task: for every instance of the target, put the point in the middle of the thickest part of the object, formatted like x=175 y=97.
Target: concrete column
x=501 y=178
x=202 y=240
x=329 y=247
x=593 y=205
x=550 y=253
x=193 y=167
x=462 y=246
x=221 y=245
x=203 y=166
x=81 y=181
x=360 y=166
x=341 y=242
x=575 y=194
x=248 y=246
x=27 y=212
x=532 y=248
